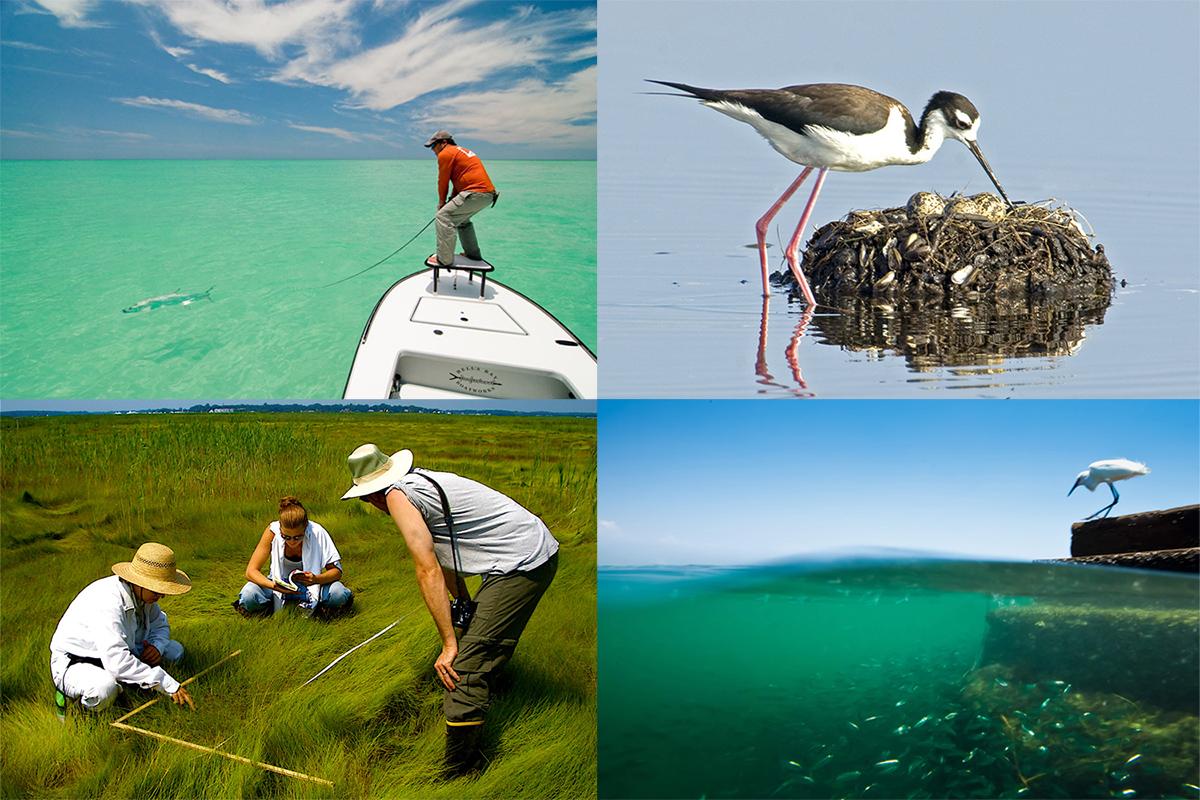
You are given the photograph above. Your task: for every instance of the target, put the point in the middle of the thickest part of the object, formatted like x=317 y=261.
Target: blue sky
x=739 y=482
x=295 y=78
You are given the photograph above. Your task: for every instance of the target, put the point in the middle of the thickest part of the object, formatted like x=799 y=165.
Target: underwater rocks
x=1144 y=655
x=1062 y=740
x=938 y=247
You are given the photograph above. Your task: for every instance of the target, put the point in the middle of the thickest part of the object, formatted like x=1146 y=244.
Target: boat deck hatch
x=457 y=313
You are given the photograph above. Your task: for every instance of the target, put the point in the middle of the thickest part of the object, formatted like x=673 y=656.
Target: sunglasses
x=295 y=538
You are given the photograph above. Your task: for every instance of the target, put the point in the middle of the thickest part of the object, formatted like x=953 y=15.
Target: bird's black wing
x=854 y=109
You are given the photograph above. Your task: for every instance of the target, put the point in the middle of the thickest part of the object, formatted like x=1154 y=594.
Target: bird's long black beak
x=1076 y=486
x=974 y=147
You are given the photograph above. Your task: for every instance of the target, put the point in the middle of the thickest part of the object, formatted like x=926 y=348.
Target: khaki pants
x=506 y=602
x=454 y=218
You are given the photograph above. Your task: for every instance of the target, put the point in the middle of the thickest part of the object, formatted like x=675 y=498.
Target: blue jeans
x=256 y=598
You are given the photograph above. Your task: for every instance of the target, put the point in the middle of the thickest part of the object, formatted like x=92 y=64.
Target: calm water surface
x=899 y=679
x=682 y=314
x=82 y=240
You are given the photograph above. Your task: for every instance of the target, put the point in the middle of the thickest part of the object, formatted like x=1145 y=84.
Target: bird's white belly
x=826 y=147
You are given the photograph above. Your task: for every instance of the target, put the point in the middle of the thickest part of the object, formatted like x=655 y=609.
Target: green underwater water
x=82 y=240
x=898 y=679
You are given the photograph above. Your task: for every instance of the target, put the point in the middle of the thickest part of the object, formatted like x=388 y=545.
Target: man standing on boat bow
x=473 y=191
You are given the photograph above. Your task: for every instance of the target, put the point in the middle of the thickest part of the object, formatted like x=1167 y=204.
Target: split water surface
x=900 y=679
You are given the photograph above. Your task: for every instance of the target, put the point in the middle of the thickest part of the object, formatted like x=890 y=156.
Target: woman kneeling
x=302 y=554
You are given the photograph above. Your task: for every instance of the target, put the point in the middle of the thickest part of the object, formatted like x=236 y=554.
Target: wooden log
x=1185 y=559
x=1170 y=529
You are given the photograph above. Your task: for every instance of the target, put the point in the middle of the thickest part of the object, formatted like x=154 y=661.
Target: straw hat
x=153 y=568
x=371 y=470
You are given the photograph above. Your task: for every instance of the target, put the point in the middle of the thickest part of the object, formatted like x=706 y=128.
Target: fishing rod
x=385 y=258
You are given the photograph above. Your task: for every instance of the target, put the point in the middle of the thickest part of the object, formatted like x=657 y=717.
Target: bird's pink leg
x=760 y=228
x=794 y=245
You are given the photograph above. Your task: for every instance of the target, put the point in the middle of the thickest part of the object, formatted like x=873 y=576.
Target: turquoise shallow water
x=898 y=679
x=81 y=240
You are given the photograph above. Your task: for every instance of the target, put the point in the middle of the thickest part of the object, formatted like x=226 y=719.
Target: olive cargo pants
x=506 y=602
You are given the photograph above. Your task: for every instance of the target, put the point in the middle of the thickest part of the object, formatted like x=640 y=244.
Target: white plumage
x=1108 y=471
x=824 y=146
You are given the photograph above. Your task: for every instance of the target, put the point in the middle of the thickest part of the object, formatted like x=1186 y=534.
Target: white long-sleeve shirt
x=106 y=621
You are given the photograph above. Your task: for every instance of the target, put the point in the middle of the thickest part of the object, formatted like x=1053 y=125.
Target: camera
x=461 y=612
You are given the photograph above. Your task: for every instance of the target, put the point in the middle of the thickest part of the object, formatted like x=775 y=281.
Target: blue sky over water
x=295 y=79
x=744 y=482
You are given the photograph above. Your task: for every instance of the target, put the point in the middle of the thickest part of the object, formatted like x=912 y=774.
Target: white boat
x=453 y=333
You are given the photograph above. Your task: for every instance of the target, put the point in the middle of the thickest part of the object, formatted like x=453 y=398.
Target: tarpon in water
x=175 y=298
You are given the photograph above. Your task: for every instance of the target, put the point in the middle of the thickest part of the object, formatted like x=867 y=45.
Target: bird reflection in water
x=972 y=337
x=790 y=354
x=979 y=333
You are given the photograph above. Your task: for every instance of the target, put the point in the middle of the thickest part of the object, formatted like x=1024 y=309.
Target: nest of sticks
x=938 y=247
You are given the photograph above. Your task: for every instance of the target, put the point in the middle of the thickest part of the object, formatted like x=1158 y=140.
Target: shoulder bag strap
x=461 y=585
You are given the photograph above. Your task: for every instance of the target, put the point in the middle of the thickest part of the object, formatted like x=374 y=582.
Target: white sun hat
x=371 y=470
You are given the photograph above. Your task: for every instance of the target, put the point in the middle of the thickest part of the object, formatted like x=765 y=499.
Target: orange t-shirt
x=462 y=166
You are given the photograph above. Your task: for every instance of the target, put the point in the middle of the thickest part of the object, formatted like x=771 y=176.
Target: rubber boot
x=463 y=755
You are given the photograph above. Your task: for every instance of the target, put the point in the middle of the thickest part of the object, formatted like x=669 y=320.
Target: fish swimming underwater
x=173 y=299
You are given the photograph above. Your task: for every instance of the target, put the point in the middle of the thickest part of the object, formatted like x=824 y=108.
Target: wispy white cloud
x=345 y=135
x=15 y=134
x=211 y=73
x=71 y=13
x=129 y=135
x=340 y=133
x=555 y=115
x=421 y=61
x=67 y=134
x=181 y=53
x=487 y=78
x=25 y=46
x=228 y=115
x=255 y=23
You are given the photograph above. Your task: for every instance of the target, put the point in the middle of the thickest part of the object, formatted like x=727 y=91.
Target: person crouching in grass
x=114 y=633
x=454 y=526
x=301 y=553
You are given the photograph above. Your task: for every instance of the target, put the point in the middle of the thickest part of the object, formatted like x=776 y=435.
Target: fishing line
x=385 y=258
x=352 y=649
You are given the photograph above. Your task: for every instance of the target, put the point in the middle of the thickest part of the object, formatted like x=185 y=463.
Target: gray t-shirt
x=495 y=534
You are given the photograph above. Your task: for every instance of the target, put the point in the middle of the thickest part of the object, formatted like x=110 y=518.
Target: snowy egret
x=1110 y=471
x=841 y=127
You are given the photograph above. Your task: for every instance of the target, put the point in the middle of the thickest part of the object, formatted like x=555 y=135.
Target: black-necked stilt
x=1098 y=472
x=841 y=127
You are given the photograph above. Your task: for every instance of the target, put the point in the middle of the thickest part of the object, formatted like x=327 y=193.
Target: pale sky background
x=1053 y=81
x=743 y=482
x=295 y=78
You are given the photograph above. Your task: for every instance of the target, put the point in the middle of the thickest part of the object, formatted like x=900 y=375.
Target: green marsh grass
x=80 y=493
